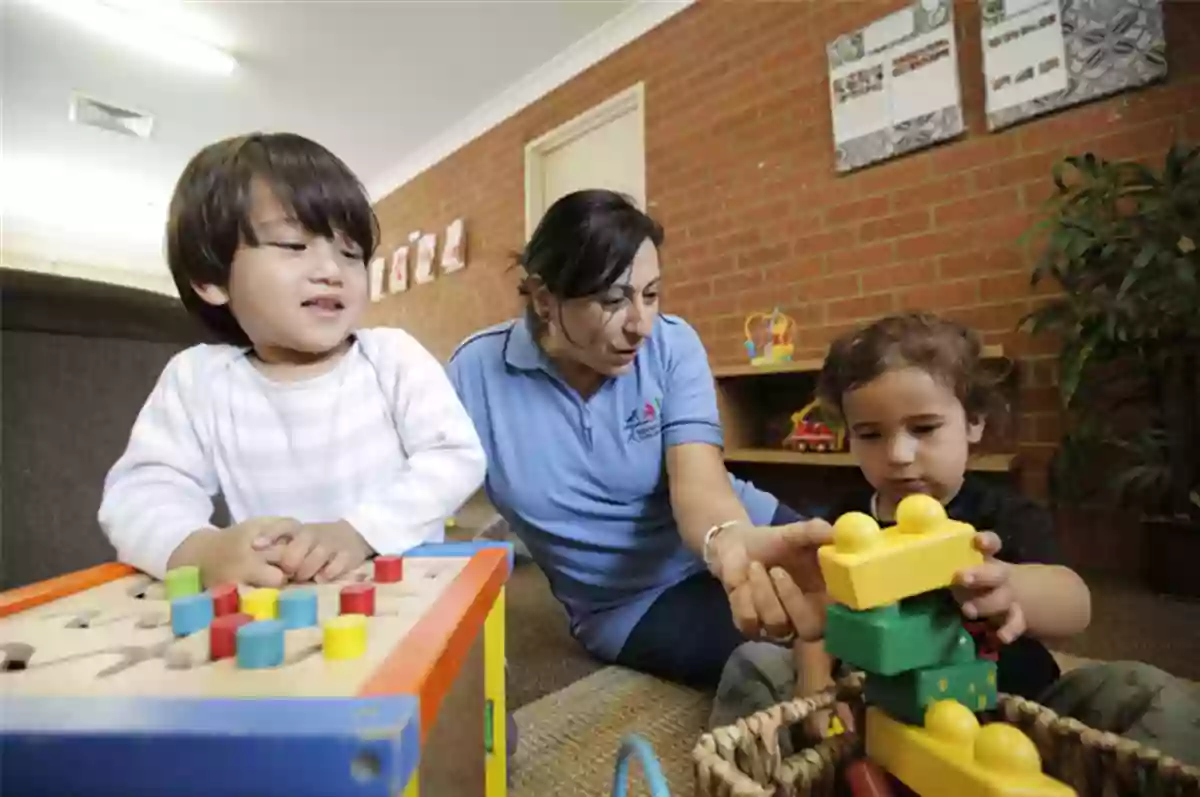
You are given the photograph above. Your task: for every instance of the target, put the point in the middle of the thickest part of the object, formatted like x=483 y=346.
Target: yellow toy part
x=952 y=756
x=345 y=636
x=867 y=567
x=261 y=604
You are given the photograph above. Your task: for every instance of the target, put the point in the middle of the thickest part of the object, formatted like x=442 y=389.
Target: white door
x=601 y=148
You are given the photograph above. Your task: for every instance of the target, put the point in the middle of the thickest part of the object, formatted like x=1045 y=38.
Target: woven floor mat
x=569 y=739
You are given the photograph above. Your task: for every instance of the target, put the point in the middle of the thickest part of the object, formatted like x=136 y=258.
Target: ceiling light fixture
x=143 y=32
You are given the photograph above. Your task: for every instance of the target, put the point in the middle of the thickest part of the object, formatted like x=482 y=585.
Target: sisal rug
x=569 y=739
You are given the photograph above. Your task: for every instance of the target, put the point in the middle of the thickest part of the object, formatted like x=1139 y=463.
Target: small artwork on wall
x=426 y=250
x=1043 y=55
x=893 y=85
x=398 y=270
x=375 y=275
x=454 y=249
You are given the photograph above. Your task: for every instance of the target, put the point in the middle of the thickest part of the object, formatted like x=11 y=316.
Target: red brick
x=740 y=280
x=980 y=262
x=871 y=256
x=887 y=176
x=990 y=318
x=687 y=291
x=794 y=270
x=1191 y=125
x=764 y=256
x=891 y=277
x=1058 y=130
x=834 y=287
x=856 y=211
x=945 y=189
x=940 y=296
x=895 y=226
x=824 y=242
x=982 y=206
x=861 y=307
x=960 y=156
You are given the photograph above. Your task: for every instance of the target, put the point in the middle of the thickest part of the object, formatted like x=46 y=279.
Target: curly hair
x=948 y=351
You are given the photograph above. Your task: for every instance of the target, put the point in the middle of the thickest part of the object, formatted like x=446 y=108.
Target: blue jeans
x=688 y=634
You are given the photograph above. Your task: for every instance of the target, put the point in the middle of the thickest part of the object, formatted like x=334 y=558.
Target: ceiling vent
x=106 y=116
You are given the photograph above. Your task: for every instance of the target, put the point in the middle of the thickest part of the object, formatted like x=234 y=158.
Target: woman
x=599 y=419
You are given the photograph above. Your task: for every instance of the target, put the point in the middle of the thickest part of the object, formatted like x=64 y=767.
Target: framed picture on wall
x=375 y=277
x=454 y=247
x=1043 y=55
x=893 y=85
x=426 y=251
x=398 y=270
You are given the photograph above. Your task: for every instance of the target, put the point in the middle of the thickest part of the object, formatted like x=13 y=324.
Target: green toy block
x=907 y=695
x=921 y=631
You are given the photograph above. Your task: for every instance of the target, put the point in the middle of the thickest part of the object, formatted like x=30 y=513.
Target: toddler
x=328 y=443
x=914 y=397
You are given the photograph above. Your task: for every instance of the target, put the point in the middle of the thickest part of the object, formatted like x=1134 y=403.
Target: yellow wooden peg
x=261 y=604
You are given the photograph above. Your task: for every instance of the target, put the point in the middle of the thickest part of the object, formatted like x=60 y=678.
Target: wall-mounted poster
x=1043 y=55
x=454 y=247
x=398 y=270
x=375 y=278
x=893 y=85
x=426 y=250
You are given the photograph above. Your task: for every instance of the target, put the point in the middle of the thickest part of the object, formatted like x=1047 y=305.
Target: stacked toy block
x=249 y=627
x=893 y=617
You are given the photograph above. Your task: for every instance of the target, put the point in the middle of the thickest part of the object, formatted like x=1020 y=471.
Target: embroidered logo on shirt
x=644 y=422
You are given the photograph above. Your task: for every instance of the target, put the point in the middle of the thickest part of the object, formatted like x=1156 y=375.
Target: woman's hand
x=766 y=572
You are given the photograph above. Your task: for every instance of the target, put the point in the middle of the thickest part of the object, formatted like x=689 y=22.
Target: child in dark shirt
x=914 y=397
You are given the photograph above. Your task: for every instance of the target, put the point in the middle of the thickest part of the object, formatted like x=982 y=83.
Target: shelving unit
x=755 y=403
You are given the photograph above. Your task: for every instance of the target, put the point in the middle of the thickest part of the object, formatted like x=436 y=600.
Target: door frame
x=630 y=100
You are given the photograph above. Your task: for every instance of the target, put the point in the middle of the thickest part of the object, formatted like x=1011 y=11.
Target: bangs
x=316 y=189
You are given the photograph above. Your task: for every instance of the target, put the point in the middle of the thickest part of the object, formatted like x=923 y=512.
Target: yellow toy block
x=866 y=567
x=953 y=756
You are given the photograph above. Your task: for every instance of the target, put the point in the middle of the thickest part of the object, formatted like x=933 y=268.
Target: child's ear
x=541 y=299
x=213 y=294
x=975 y=429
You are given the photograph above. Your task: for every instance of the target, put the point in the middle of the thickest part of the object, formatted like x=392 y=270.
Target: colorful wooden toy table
x=99 y=695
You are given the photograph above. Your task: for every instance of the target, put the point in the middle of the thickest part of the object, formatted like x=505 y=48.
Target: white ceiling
x=376 y=82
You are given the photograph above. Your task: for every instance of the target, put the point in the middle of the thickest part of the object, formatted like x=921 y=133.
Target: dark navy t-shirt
x=1026 y=530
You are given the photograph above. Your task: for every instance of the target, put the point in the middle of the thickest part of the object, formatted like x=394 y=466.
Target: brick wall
x=739 y=171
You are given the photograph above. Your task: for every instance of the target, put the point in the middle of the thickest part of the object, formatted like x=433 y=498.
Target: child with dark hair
x=914 y=396
x=328 y=443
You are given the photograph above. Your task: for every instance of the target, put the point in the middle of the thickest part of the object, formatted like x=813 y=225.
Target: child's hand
x=985 y=591
x=320 y=552
x=233 y=555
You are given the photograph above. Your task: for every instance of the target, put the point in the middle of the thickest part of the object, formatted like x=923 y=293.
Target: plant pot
x=1172 y=550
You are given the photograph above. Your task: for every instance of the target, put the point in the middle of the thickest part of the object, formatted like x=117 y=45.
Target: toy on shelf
x=810 y=433
x=769 y=337
x=893 y=618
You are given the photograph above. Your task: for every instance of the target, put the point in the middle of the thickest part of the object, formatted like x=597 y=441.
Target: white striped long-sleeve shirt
x=381 y=441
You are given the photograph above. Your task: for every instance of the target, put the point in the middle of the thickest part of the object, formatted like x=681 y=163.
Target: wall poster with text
x=893 y=85
x=1043 y=55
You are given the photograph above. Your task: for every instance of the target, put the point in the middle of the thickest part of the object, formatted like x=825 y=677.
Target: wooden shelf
x=809 y=366
x=990 y=463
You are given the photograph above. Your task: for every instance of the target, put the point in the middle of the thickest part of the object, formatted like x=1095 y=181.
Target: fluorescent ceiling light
x=143 y=30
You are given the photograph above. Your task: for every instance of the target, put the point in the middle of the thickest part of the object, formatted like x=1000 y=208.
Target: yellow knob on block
x=261 y=604
x=345 y=636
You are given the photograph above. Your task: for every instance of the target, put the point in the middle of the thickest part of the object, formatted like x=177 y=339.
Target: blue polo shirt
x=583 y=483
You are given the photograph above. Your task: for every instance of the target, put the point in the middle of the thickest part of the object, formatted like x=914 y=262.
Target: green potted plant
x=1120 y=240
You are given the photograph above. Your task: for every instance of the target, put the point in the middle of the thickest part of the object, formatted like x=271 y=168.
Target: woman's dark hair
x=210 y=211
x=949 y=352
x=584 y=243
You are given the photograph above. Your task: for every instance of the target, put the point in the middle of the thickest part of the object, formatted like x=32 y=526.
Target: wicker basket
x=745 y=759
